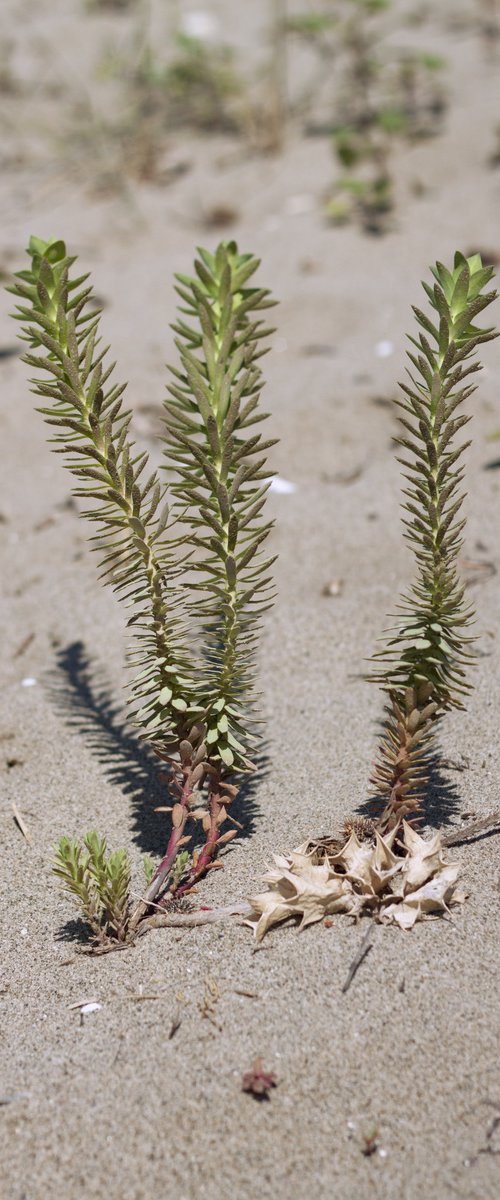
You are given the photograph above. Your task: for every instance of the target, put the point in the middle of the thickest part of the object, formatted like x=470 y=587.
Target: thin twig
x=81 y=1003
x=143 y=996
x=152 y=903
x=201 y=917
x=175 y=1025
x=98 y=948
x=361 y=953
x=23 y=646
x=469 y=831
x=21 y=824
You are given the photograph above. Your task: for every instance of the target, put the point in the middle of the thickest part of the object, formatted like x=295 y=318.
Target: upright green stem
x=422 y=666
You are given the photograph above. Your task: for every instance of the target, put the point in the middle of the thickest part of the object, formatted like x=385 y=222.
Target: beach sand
x=111 y=1105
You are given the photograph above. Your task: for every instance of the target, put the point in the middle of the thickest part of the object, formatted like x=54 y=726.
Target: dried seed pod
x=228 y=837
x=200 y=754
x=178 y=813
x=414 y=720
x=197 y=732
x=197 y=774
x=185 y=751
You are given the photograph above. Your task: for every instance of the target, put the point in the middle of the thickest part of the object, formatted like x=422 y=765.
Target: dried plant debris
x=211 y=997
x=369 y=1140
x=400 y=878
x=258 y=1081
x=18 y=817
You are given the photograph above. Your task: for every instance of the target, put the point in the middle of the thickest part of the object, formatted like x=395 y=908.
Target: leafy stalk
x=198 y=595
x=221 y=480
x=422 y=666
x=92 y=431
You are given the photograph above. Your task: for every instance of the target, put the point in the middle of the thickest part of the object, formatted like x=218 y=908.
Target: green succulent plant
x=99 y=881
x=192 y=568
x=422 y=665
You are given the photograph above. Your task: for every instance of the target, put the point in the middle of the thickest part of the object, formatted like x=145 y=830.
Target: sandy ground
x=112 y=1106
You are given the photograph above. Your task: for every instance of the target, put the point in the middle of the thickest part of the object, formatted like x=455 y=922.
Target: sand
x=111 y=1105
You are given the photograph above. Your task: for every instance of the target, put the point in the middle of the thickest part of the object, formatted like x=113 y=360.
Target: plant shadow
x=75 y=930
x=442 y=798
x=128 y=763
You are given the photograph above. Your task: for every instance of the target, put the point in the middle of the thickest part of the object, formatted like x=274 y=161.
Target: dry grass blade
x=190 y=920
x=81 y=1003
x=21 y=824
x=175 y=1025
x=485 y=825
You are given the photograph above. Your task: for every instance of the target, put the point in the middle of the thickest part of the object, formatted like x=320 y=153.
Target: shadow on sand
x=442 y=797
x=88 y=709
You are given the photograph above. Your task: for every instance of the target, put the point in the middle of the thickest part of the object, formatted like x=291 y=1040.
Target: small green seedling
x=382 y=93
x=99 y=881
x=191 y=569
x=422 y=665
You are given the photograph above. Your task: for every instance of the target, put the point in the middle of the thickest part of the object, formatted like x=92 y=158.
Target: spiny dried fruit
x=361 y=878
x=363 y=827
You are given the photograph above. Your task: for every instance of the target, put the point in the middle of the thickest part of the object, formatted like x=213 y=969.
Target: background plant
x=104 y=5
x=334 y=69
x=194 y=571
x=422 y=666
x=376 y=94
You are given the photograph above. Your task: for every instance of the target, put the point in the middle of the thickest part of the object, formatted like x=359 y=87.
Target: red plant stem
x=184 y=793
x=209 y=850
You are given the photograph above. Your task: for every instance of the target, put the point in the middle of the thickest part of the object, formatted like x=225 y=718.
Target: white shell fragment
x=384 y=349
x=28 y=682
x=201 y=25
x=365 y=877
x=302 y=203
x=283 y=487
x=90 y=1008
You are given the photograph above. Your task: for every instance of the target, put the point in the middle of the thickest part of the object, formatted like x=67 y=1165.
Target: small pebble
x=199 y=25
x=271 y=223
x=334 y=588
x=28 y=682
x=384 y=349
x=283 y=487
x=294 y=205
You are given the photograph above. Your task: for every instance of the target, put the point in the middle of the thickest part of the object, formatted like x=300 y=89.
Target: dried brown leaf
x=362 y=877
